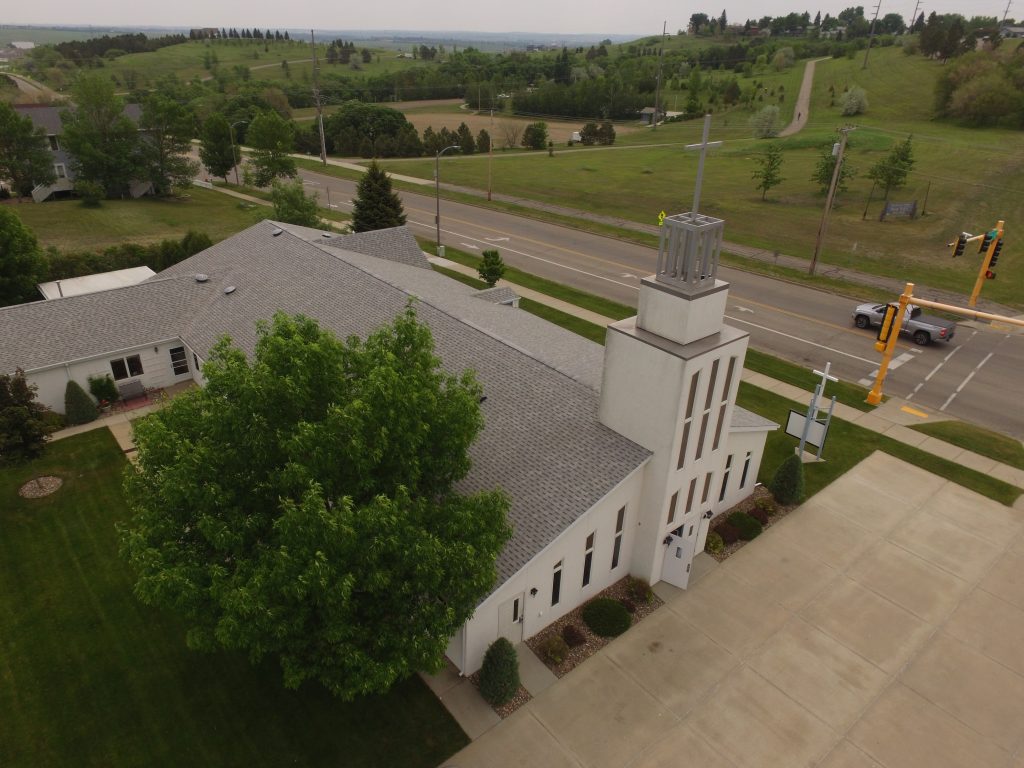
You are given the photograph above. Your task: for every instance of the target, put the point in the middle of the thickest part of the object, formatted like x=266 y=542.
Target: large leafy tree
x=271 y=138
x=163 y=151
x=376 y=205
x=301 y=505
x=216 y=148
x=826 y=166
x=25 y=158
x=23 y=430
x=100 y=138
x=22 y=264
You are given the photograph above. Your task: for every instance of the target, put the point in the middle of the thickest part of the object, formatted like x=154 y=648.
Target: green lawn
x=971 y=178
x=848 y=444
x=981 y=441
x=91 y=677
x=68 y=225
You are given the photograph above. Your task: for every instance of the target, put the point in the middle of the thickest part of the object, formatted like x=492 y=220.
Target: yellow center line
x=914 y=412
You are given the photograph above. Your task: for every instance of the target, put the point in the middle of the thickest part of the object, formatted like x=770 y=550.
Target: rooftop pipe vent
x=201 y=278
x=229 y=290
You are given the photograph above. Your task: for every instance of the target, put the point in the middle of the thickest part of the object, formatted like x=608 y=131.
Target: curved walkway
x=803 y=101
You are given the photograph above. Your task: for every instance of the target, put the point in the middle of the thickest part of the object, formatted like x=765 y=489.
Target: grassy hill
x=971 y=178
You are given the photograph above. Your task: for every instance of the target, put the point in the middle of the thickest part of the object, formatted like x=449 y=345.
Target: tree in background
x=22 y=265
x=23 y=430
x=483 y=141
x=332 y=538
x=163 y=151
x=826 y=166
x=100 y=138
x=765 y=123
x=293 y=206
x=465 y=139
x=216 y=148
x=376 y=205
x=491 y=268
x=606 y=134
x=892 y=170
x=768 y=174
x=854 y=101
x=25 y=158
x=535 y=135
x=271 y=138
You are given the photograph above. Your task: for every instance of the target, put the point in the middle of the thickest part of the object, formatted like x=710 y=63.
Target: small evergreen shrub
x=728 y=532
x=555 y=649
x=714 y=543
x=760 y=515
x=787 y=486
x=78 y=406
x=767 y=506
x=606 y=617
x=103 y=388
x=639 y=590
x=628 y=604
x=748 y=527
x=499 y=676
x=573 y=636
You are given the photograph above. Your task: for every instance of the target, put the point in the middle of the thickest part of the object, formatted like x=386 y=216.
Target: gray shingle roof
x=542 y=441
x=48 y=118
x=501 y=294
x=394 y=244
x=742 y=419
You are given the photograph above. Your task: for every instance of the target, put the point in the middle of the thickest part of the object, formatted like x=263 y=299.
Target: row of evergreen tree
x=234 y=34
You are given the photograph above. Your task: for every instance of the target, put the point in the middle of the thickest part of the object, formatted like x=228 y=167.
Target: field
x=68 y=225
x=91 y=677
x=971 y=178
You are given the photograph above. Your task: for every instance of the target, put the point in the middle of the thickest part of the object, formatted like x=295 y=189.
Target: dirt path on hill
x=803 y=101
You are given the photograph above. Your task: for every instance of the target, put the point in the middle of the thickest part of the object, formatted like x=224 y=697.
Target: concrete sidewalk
x=879 y=625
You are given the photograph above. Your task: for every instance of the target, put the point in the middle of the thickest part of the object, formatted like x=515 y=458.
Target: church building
x=616 y=459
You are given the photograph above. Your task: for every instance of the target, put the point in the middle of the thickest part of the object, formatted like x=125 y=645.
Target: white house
x=615 y=459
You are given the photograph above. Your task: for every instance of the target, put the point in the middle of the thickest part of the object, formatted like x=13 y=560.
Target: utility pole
x=657 y=84
x=316 y=99
x=871 y=34
x=913 y=19
x=490 y=148
x=1007 y=11
x=831 y=197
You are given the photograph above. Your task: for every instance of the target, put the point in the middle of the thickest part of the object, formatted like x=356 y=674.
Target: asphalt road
x=975 y=377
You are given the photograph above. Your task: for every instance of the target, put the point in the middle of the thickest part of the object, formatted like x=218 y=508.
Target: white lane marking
x=965 y=381
x=496 y=239
x=797 y=338
x=906 y=357
x=744 y=309
x=311 y=183
x=934 y=370
x=470 y=245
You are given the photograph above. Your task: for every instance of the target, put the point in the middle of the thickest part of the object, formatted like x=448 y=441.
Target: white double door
x=680 y=550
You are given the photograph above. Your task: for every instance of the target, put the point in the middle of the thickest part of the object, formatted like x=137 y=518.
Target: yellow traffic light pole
x=906 y=299
x=985 y=263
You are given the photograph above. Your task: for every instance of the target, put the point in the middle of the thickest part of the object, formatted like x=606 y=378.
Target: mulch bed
x=760 y=492
x=40 y=486
x=594 y=643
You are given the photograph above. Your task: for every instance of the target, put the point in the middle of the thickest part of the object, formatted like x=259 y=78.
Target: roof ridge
x=150 y=281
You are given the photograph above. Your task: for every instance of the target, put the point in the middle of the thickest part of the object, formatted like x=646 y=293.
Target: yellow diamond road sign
x=661 y=219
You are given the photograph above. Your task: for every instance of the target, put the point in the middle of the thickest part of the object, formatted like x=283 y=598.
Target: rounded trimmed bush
x=573 y=636
x=499 y=676
x=714 y=543
x=748 y=527
x=606 y=617
x=787 y=485
x=728 y=532
x=78 y=406
x=767 y=506
x=555 y=649
x=760 y=515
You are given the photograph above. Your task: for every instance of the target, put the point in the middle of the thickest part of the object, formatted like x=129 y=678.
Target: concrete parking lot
x=880 y=625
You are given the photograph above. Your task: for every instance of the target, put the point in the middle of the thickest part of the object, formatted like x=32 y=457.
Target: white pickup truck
x=923 y=329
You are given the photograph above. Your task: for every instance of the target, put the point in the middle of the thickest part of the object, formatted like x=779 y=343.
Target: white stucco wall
x=156 y=371
x=570 y=547
x=740 y=442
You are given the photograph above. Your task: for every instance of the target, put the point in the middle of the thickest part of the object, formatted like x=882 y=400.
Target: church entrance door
x=675 y=568
x=510 y=619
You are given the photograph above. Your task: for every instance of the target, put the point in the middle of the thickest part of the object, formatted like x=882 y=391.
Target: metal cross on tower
x=703 y=147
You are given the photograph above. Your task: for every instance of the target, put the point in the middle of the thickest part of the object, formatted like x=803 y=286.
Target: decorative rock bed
x=40 y=486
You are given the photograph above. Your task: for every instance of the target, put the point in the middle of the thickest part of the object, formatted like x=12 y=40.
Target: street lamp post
x=437 y=189
x=231 y=134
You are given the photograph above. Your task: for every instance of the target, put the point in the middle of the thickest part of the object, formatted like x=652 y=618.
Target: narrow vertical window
x=689 y=496
x=556 y=584
x=703 y=432
x=672 y=507
x=617 y=546
x=746 y=468
x=711 y=385
x=588 y=559
x=688 y=418
x=707 y=488
x=725 y=477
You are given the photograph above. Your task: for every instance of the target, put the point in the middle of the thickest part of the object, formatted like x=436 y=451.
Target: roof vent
x=201 y=278
x=276 y=231
x=326 y=235
x=229 y=290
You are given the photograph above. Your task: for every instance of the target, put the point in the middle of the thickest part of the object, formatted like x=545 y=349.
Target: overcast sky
x=565 y=17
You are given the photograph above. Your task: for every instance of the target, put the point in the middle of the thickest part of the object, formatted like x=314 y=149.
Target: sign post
x=812 y=411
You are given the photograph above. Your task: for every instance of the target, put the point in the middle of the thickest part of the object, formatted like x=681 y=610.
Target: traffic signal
x=885 y=329
x=990 y=275
x=995 y=253
x=989 y=236
x=959 y=245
